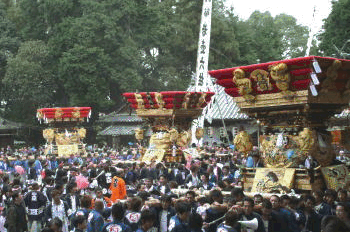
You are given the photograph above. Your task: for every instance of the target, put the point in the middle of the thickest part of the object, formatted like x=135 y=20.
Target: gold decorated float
x=170 y=115
x=64 y=136
x=293 y=100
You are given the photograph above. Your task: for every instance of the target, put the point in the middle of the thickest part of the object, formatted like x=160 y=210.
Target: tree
x=9 y=42
x=336 y=29
x=28 y=85
x=293 y=36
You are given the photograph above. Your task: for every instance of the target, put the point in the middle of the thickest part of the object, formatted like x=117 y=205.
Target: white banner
x=203 y=47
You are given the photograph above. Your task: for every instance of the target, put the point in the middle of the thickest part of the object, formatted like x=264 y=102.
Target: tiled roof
x=114 y=117
x=224 y=103
x=8 y=125
x=119 y=130
x=116 y=130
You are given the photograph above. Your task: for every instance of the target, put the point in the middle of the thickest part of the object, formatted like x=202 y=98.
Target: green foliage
x=28 y=84
x=88 y=52
x=336 y=29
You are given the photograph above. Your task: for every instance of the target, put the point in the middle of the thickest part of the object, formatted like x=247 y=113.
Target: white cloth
x=164 y=221
x=59 y=211
x=74 y=203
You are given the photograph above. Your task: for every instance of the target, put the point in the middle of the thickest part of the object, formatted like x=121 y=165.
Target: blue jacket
x=116 y=226
x=95 y=222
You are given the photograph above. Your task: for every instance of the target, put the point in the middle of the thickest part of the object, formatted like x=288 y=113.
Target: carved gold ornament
x=139 y=134
x=186 y=101
x=332 y=76
x=159 y=100
x=139 y=100
x=243 y=142
x=58 y=113
x=243 y=84
x=76 y=113
x=201 y=100
x=280 y=74
x=81 y=133
x=306 y=140
x=262 y=79
x=49 y=135
x=184 y=139
x=174 y=135
x=199 y=133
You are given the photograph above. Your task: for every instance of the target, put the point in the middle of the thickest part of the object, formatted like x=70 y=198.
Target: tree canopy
x=336 y=30
x=88 y=52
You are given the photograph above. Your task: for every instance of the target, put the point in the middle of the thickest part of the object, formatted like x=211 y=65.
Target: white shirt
x=164 y=221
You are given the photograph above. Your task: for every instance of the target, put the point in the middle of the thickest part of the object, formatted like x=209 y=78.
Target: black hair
x=266 y=204
x=332 y=223
x=195 y=222
x=237 y=192
x=166 y=198
x=85 y=201
x=216 y=194
x=143 y=195
x=250 y=200
x=231 y=217
x=285 y=197
x=311 y=198
x=135 y=204
x=191 y=192
x=70 y=186
x=118 y=211
x=330 y=192
x=182 y=207
x=147 y=215
x=79 y=220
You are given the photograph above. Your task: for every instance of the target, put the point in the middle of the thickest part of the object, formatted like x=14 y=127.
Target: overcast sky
x=302 y=10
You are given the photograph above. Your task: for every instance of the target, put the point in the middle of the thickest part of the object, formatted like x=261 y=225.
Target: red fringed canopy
x=299 y=69
x=168 y=99
x=65 y=114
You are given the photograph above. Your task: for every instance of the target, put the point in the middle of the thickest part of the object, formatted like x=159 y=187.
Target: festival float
x=64 y=135
x=170 y=115
x=292 y=100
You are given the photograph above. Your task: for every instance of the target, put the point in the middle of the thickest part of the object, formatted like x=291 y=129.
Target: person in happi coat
x=57 y=208
x=117 y=224
x=35 y=201
x=95 y=219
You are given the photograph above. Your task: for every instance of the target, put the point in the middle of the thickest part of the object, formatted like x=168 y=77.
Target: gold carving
x=81 y=133
x=184 y=139
x=139 y=100
x=160 y=140
x=186 y=101
x=76 y=113
x=306 y=140
x=67 y=150
x=273 y=180
x=199 y=133
x=58 y=113
x=262 y=79
x=201 y=100
x=174 y=135
x=243 y=142
x=159 y=100
x=280 y=74
x=153 y=155
x=243 y=84
x=49 y=135
x=139 y=134
x=332 y=75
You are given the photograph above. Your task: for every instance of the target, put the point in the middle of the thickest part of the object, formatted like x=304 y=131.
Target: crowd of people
x=106 y=191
